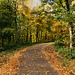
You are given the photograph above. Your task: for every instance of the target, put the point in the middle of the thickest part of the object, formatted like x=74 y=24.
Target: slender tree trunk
x=45 y=36
x=16 y=29
x=9 y=39
x=37 y=35
x=16 y=33
x=41 y=35
x=71 y=34
x=27 y=36
x=30 y=36
x=2 y=42
x=16 y=21
x=24 y=37
x=13 y=38
x=70 y=30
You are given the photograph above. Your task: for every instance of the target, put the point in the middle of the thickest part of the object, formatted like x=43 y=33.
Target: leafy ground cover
x=64 y=65
x=10 y=66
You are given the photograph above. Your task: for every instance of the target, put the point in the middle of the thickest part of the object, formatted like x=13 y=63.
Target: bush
x=4 y=52
x=28 y=43
x=60 y=50
x=58 y=45
x=65 y=51
x=56 y=50
x=1 y=49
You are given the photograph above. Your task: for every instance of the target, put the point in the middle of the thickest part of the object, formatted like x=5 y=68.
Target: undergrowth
x=11 y=49
x=66 y=56
x=65 y=51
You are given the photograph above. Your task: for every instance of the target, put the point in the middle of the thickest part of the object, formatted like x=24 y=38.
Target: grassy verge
x=66 y=56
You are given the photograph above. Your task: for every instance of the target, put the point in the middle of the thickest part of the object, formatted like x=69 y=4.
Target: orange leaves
x=53 y=60
x=10 y=67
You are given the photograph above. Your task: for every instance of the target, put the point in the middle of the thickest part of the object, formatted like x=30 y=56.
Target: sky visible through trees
x=24 y=22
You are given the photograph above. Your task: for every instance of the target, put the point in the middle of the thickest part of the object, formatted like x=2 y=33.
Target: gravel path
x=33 y=62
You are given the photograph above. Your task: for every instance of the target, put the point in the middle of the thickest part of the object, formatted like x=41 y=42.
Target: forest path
x=33 y=62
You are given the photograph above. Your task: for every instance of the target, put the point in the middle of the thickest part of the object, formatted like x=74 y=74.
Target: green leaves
x=7 y=32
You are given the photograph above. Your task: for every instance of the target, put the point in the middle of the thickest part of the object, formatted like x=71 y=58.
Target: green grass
x=66 y=56
x=65 y=51
x=73 y=70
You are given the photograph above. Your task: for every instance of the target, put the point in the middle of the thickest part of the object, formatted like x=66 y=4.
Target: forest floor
x=40 y=59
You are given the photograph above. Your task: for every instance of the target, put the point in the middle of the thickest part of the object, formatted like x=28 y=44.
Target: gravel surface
x=33 y=62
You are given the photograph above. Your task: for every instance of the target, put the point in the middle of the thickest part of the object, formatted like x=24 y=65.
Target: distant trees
x=43 y=22
x=20 y=25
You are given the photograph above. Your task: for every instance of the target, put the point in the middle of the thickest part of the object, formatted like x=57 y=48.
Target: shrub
x=1 y=49
x=60 y=50
x=56 y=50
x=4 y=52
x=65 y=51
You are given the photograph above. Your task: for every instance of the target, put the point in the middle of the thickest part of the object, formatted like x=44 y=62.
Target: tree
x=63 y=10
x=6 y=19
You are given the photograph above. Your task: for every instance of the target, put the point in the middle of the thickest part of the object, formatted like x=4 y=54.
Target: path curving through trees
x=33 y=62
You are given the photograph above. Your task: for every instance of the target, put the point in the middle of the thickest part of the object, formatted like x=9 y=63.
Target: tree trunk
x=15 y=21
x=37 y=35
x=2 y=42
x=70 y=30
x=13 y=38
x=27 y=36
x=16 y=29
x=9 y=39
x=45 y=36
x=30 y=36
x=24 y=37
x=71 y=34
x=41 y=35
x=71 y=27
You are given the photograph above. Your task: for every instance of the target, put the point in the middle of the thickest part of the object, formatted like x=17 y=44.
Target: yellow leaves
x=38 y=24
x=64 y=3
x=44 y=21
x=48 y=7
x=73 y=2
x=73 y=12
x=53 y=29
x=19 y=7
x=24 y=12
x=32 y=21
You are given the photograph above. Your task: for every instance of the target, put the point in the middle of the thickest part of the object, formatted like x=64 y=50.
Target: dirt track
x=33 y=62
